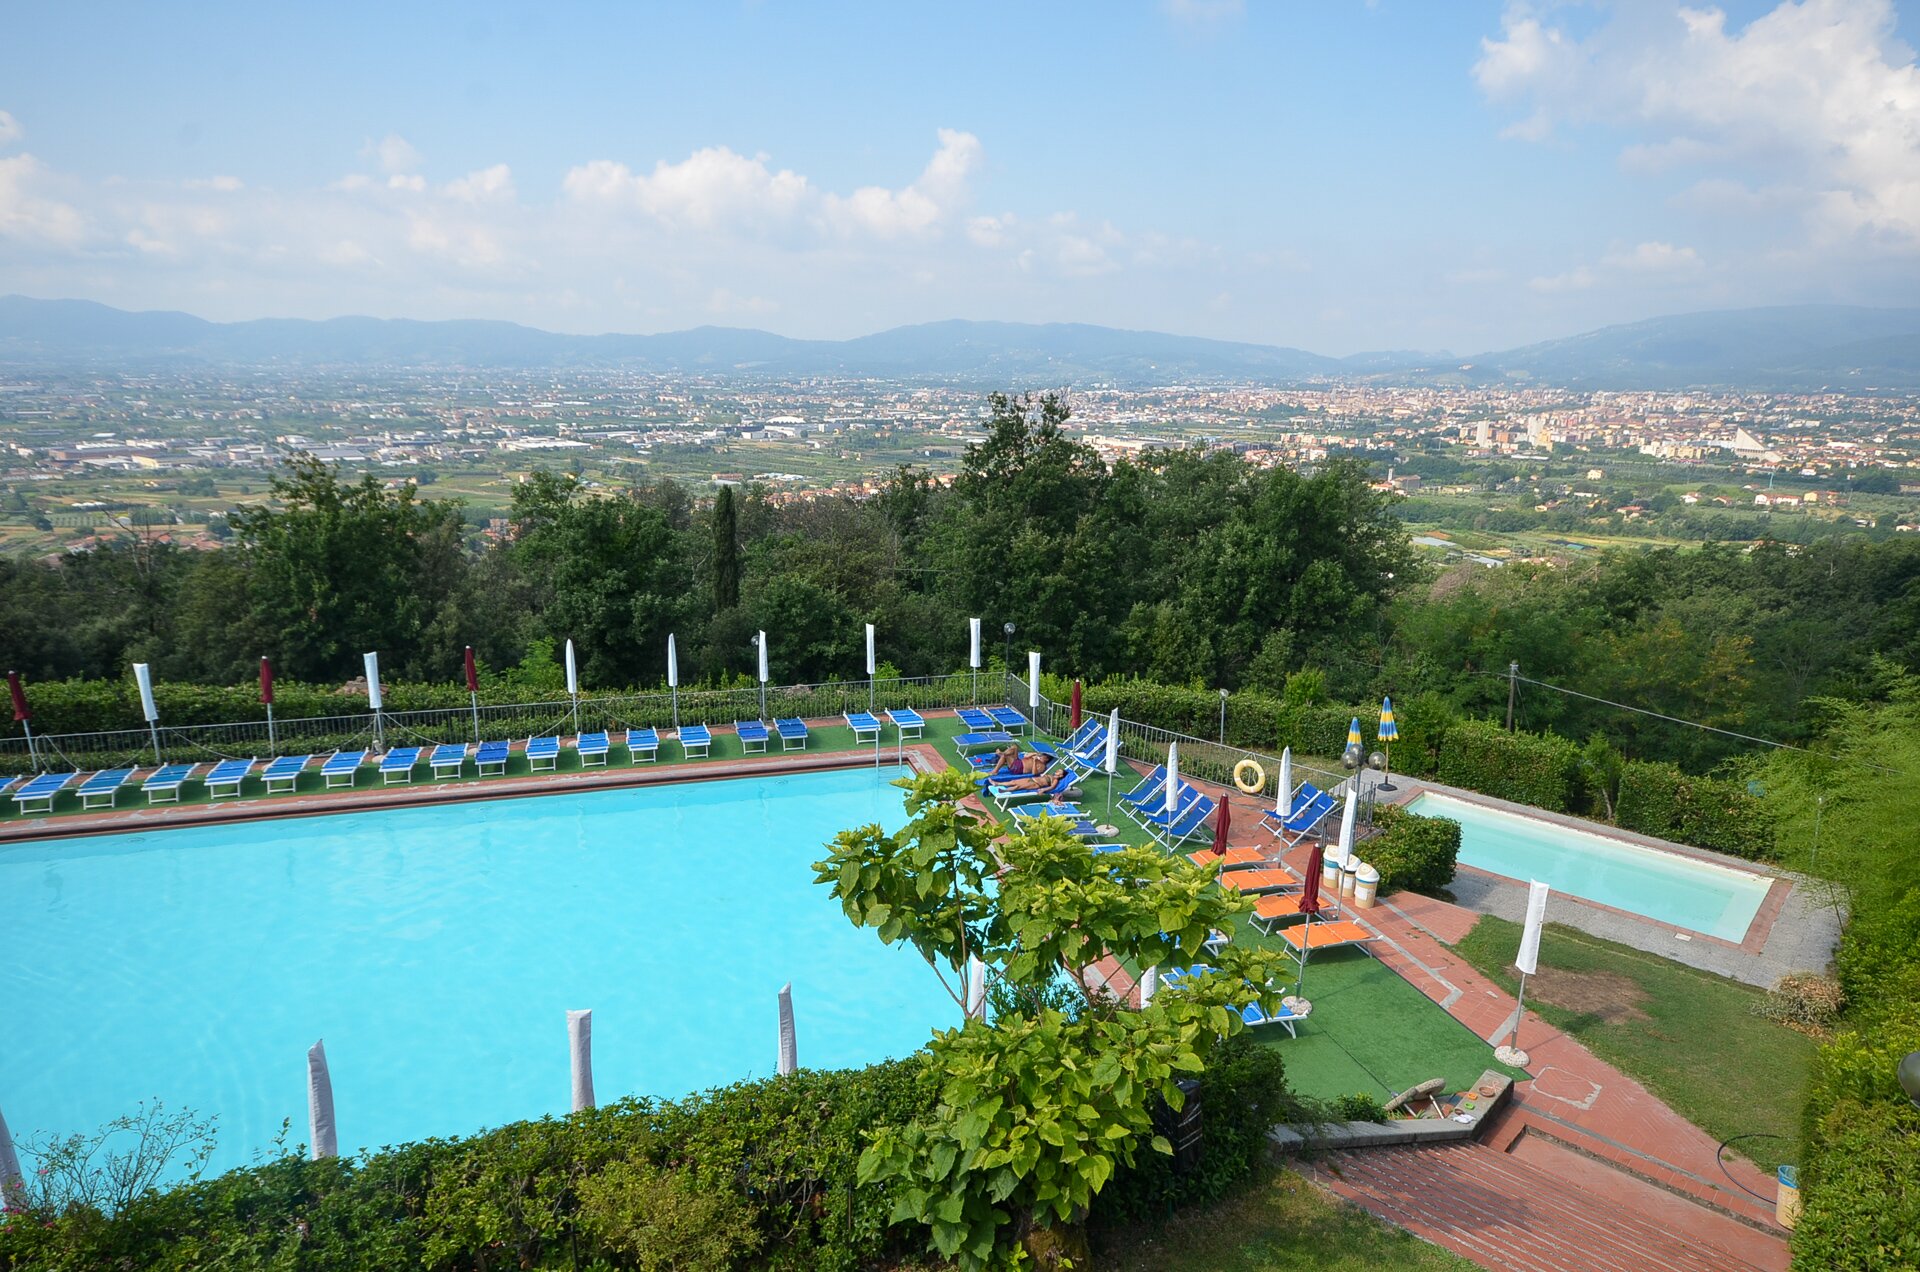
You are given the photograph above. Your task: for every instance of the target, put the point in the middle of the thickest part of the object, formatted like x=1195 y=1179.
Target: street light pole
x=1007 y=657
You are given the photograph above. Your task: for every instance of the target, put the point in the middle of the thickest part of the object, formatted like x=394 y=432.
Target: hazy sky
x=1339 y=176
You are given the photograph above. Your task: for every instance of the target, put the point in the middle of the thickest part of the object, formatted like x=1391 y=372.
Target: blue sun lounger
x=342 y=768
x=592 y=748
x=40 y=792
x=163 y=784
x=1062 y=782
x=1009 y=719
x=908 y=721
x=1082 y=826
x=448 y=760
x=101 y=789
x=543 y=755
x=493 y=755
x=1187 y=823
x=696 y=737
x=1154 y=815
x=1313 y=811
x=753 y=735
x=1152 y=787
x=282 y=775
x=793 y=732
x=976 y=719
x=1271 y=820
x=643 y=742
x=865 y=726
x=398 y=764
x=224 y=782
x=991 y=737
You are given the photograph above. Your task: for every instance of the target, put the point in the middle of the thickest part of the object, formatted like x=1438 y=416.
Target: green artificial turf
x=1689 y=1036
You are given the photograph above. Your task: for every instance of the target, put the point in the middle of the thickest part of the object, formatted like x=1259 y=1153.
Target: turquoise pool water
x=437 y=951
x=1697 y=895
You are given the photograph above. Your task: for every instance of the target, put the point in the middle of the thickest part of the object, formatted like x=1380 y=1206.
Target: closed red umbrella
x=1076 y=706
x=266 y=680
x=1221 y=825
x=1309 y=906
x=21 y=712
x=473 y=678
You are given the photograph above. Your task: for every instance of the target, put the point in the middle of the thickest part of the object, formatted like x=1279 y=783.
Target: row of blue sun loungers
x=1146 y=803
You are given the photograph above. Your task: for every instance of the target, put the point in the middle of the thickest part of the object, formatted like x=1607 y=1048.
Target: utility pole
x=1513 y=689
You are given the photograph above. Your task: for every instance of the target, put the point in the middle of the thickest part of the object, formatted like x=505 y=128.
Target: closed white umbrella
x=1113 y=752
x=371 y=661
x=1346 y=824
x=573 y=686
x=1283 y=798
x=673 y=678
x=976 y=989
x=973 y=654
x=872 y=666
x=763 y=673
x=580 y=1050
x=13 y=1184
x=323 y=1138
x=1033 y=681
x=1149 y=985
x=789 y=1051
x=144 y=678
x=1173 y=781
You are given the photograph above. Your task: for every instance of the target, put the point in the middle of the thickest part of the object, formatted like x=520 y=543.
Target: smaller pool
x=1697 y=895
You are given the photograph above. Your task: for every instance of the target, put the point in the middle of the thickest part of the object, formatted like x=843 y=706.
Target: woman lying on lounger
x=1037 y=779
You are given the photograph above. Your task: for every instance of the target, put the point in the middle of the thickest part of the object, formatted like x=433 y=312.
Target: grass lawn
x=1281 y=1222
x=1688 y=1035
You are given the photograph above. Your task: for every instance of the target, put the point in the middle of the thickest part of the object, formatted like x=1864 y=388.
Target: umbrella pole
x=1306 y=948
x=675 y=690
x=154 y=726
x=272 y=745
x=576 y=716
x=33 y=754
x=475 y=697
x=869 y=693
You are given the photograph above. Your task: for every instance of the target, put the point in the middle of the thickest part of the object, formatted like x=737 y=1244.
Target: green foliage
x=1862 y=1203
x=726 y=551
x=656 y=1222
x=1361 y=1106
x=1411 y=851
x=1717 y=813
x=1527 y=768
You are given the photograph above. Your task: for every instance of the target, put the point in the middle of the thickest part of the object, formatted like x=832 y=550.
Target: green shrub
x=1410 y=851
x=1708 y=812
x=1803 y=998
x=1862 y=1191
x=1359 y=1107
x=1243 y=1094
x=1539 y=769
x=657 y=1222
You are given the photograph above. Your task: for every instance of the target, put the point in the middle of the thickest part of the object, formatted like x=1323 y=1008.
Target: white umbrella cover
x=871 y=664
x=1283 y=798
x=1113 y=742
x=1149 y=985
x=763 y=658
x=372 y=664
x=1173 y=779
x=976 y=989
x=1346 y=824
x=323 y=1138
x=580 y=1046
x=1033 y=679
x=673 y=665
x=973 y=630
x=573 y=671
x=789 y=1051
x=13 y=1184
x=144 y=678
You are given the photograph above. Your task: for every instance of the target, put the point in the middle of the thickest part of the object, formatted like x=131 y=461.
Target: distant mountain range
x=1789 y=347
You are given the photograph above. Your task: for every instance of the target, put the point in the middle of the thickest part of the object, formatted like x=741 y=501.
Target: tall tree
x=726 y=551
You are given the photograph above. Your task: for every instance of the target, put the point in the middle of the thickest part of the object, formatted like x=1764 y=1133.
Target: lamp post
x=1006 y=658
x=1223 y=717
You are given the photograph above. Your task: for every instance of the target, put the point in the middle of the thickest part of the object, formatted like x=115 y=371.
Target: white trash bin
x=1349 y=876
x=1366 y=885
x=1330 y=868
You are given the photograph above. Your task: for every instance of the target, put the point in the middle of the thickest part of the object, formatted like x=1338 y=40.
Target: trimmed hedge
x=759 y=1175
x=1540 y=769
x=1412 y=852
x=1708 y=812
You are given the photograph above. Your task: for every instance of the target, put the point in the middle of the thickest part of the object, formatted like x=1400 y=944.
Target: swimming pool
x=1697 y=895
x=437 y=951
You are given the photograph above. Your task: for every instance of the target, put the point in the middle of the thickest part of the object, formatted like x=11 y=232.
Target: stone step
x=1548 y=1211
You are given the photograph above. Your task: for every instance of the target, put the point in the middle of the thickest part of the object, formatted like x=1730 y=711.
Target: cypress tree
x=726 y=552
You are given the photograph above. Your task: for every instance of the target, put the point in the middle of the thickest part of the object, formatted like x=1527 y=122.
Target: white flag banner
x=1529 y=958
x=144 y=678
x=372 y=664
x=973 y=631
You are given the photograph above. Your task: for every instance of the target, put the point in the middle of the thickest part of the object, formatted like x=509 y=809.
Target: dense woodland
x=1183 y=567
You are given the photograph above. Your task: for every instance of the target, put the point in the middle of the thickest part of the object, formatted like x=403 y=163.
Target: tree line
x=1179 y=566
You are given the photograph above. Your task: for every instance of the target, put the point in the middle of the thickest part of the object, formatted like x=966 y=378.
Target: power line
x=1661 y=715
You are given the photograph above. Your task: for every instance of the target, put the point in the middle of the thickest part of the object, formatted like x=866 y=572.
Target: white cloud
x=1653 y=258
x=407 y=181
x=1577 y=279
x=483 y=186
x=919 y=207
x=10 y=129
x=226 y=185
x=29 y=212
x=393 y=153
x=711 y=188
x=990 y=231
x=1819 y=93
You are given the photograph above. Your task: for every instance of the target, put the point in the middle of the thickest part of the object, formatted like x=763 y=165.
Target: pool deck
x=1796 y=929
x=365 y=799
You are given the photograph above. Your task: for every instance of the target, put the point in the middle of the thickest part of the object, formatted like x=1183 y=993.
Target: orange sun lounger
x=1273 y=909
x=1234 y=859
x=1258 y=880
x=1325 y=936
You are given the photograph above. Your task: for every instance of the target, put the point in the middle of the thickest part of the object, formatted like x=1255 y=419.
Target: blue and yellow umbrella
x=1353 y=733
x=1388 y=729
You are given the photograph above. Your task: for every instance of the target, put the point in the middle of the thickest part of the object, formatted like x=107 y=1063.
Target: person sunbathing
x=1037 y=779
x=1008 y=762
